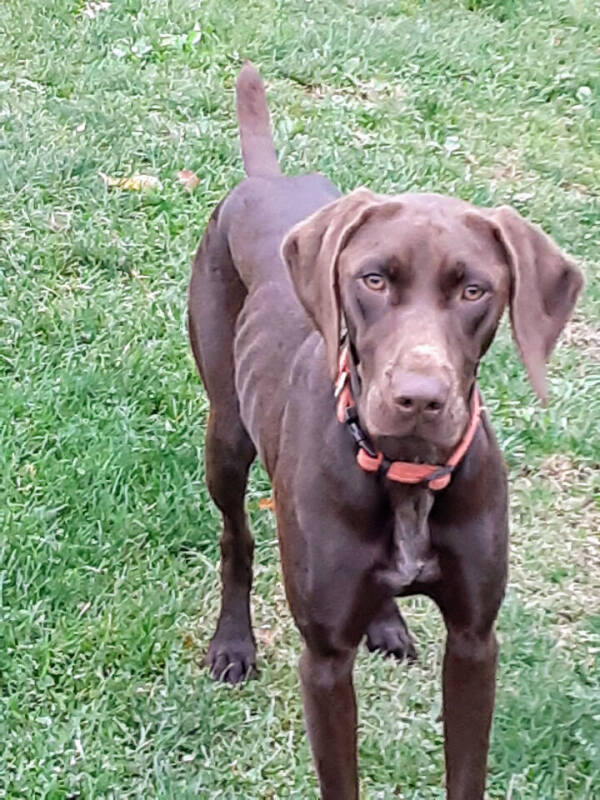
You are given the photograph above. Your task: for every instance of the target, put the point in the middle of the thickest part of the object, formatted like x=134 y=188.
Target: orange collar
x=437 y=477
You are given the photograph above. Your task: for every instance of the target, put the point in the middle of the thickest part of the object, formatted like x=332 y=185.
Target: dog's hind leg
x=229 y=453
x=216 y=296
x=388 y=634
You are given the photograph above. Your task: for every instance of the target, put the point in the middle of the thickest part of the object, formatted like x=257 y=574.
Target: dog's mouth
x=412 y=449
x=419 y=437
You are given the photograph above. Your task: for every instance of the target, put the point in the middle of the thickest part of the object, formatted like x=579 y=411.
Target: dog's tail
x=258 y=151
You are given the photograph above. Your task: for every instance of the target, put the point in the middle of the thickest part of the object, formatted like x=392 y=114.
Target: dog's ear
x=544 y=285
x=311 y=251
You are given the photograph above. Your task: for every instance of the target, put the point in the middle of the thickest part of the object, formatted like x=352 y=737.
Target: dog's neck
x=411 y=557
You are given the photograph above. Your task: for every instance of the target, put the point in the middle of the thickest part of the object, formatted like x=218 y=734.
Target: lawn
x=108 y=541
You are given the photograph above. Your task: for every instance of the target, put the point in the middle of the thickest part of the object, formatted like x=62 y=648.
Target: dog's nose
x=419 y=395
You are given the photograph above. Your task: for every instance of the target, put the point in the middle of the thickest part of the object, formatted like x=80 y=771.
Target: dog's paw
x=231 y=660
x=389 y=635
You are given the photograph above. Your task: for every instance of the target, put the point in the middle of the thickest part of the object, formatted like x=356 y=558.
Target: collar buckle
x=441 y=472
x=357 y=433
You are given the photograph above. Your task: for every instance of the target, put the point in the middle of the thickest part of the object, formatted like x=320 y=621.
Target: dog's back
x=246 y=324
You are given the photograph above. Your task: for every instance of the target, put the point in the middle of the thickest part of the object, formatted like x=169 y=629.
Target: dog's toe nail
x=231 y=661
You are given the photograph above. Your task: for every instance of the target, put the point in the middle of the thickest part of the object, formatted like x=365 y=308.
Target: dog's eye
x=374 y=282
x=472 y=292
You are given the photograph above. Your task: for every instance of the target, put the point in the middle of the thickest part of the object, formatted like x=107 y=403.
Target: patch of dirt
x=563 y=469
x=555 y=554
x=367 y=94
x=273 y=626
x=508 y=167
x=578 y=190
x=585 y=336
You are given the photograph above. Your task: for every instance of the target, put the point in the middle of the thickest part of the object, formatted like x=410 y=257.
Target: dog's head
x=421 y=282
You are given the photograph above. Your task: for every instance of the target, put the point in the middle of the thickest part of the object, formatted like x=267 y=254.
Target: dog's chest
x=411 y=556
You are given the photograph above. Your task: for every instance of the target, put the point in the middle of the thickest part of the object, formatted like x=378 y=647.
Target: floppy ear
x=311 y=251
x=544 y=286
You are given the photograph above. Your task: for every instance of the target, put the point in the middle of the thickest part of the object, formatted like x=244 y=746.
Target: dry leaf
x=265 y=636
x=136 y=183
x=189 y=179
x=266 y=504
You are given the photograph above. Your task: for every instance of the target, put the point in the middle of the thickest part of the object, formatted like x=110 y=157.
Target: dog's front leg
x=330 y=714
x=330 y=584
x=469 y=677
x=469 y=595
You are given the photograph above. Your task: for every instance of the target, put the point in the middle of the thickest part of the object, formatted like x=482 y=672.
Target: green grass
x=108 y=541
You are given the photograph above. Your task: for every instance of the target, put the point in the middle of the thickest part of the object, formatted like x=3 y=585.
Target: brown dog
x=395 y=300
